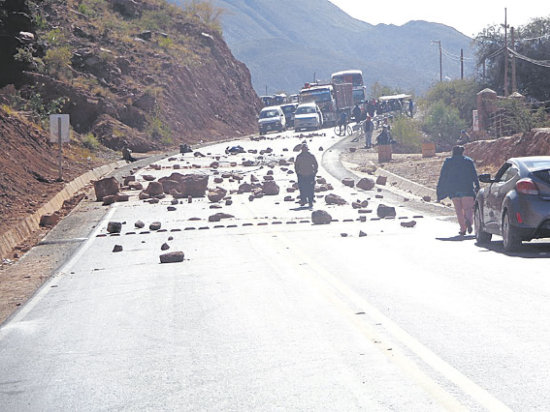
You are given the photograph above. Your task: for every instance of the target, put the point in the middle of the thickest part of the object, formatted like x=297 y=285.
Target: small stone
x=381 y=180
x=362 y=234
x=172 y=257
x=165 y=246
x=139 y=224
x=117 y=248
x=427 y=198
x=114 y=227
x=321 y=217
x=343 y=234
x=411 y=223
x=349 y=182
x=171 y=208
x=384 y=211
x=155 y=226
x=366 y=183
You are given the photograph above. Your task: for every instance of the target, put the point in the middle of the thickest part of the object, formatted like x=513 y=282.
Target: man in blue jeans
x=458 y=180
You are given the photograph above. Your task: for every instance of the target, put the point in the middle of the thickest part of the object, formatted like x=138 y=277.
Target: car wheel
x=510 y=239
x=482 y=237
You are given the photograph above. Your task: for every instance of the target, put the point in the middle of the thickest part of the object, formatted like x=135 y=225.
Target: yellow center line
x=343 y=297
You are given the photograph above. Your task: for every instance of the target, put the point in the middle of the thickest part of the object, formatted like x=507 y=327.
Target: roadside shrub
x=90 y=142
x=443 y=124
x=57 y=61
x=408 y=134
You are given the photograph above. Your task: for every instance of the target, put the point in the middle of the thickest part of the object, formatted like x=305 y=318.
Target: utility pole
x=461 y=64
x=514 y=80
x=440 y=59
x=505 y=52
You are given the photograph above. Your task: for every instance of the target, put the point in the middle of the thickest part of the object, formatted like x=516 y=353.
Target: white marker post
x=59 y=132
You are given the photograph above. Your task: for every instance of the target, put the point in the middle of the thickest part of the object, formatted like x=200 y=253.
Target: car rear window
x=543 y=175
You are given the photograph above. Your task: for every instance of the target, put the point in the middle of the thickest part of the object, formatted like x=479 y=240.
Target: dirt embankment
x=29 y=167
x=491 y=154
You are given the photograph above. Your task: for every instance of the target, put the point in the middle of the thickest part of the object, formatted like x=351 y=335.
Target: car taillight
x=527 y=187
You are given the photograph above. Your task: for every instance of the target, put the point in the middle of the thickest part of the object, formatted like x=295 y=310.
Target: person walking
x=356 y=113
x=306 y=168
x=458 y=180
x=369 y=129
x=342 y=122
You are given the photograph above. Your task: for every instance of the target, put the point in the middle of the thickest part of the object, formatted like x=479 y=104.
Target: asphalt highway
x=270 y=312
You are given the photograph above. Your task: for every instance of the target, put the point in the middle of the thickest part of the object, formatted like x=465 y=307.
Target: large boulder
x=320 y=217
x=154 y=189
x=270 y=188
x=384 y=211
x=217 y=194
x=168 y=185
x=366 y=183
x=106 y=187
x=193 y=185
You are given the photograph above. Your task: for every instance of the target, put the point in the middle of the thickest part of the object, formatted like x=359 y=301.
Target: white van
x=307 y=116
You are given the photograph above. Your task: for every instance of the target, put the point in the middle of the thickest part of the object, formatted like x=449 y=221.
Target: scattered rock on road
x=114 y=227
x=321 y=217
x=366 y=183
x=334 y=199
x=384 y=211
x=172 y=257
x=155 y=226
x=411 y=223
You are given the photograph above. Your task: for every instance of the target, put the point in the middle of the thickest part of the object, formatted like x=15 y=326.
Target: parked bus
x=355 y=77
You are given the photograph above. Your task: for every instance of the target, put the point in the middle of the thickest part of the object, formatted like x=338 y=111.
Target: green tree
x=460 y=94
x=443 y=123
x=531 y=41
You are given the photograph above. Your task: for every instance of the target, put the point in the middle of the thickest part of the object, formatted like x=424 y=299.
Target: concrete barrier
x=23 y=229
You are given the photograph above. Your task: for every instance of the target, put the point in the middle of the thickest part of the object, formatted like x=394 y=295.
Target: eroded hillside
x=137 y=73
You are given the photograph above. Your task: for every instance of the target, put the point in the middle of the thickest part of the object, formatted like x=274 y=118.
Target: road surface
x=271 y=312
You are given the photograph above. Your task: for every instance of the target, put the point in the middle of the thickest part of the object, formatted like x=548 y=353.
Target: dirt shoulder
x=424 y=171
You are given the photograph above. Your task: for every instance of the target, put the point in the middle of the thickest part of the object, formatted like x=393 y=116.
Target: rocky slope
x=132 y=72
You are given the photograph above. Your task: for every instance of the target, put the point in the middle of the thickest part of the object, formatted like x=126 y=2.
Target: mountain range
x=286 y=43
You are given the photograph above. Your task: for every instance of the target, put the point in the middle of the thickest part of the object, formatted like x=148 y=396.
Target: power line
x=542 y=63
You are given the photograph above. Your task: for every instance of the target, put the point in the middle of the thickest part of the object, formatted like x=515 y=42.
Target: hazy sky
x=467 y=16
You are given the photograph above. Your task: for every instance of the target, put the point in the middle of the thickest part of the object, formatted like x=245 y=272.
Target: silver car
x=516 y=204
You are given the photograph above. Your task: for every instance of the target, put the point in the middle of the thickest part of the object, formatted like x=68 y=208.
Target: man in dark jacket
x=306 y=168
x=458 y=180
x=369 y=129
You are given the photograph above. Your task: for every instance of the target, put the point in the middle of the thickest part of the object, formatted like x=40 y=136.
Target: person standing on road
x=357 y=113
x=342 y=122
x=369 y=129
x=306 y=168
x=458 y=180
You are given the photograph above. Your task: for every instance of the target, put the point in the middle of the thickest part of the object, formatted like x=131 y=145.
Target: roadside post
x=59 y=132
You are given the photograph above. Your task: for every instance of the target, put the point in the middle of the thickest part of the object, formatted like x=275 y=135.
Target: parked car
x=288 y=110
x=516 y=204
x=307 y=116
x=271 y=118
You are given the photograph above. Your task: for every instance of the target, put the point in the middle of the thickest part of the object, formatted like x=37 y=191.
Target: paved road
x=270 y=312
